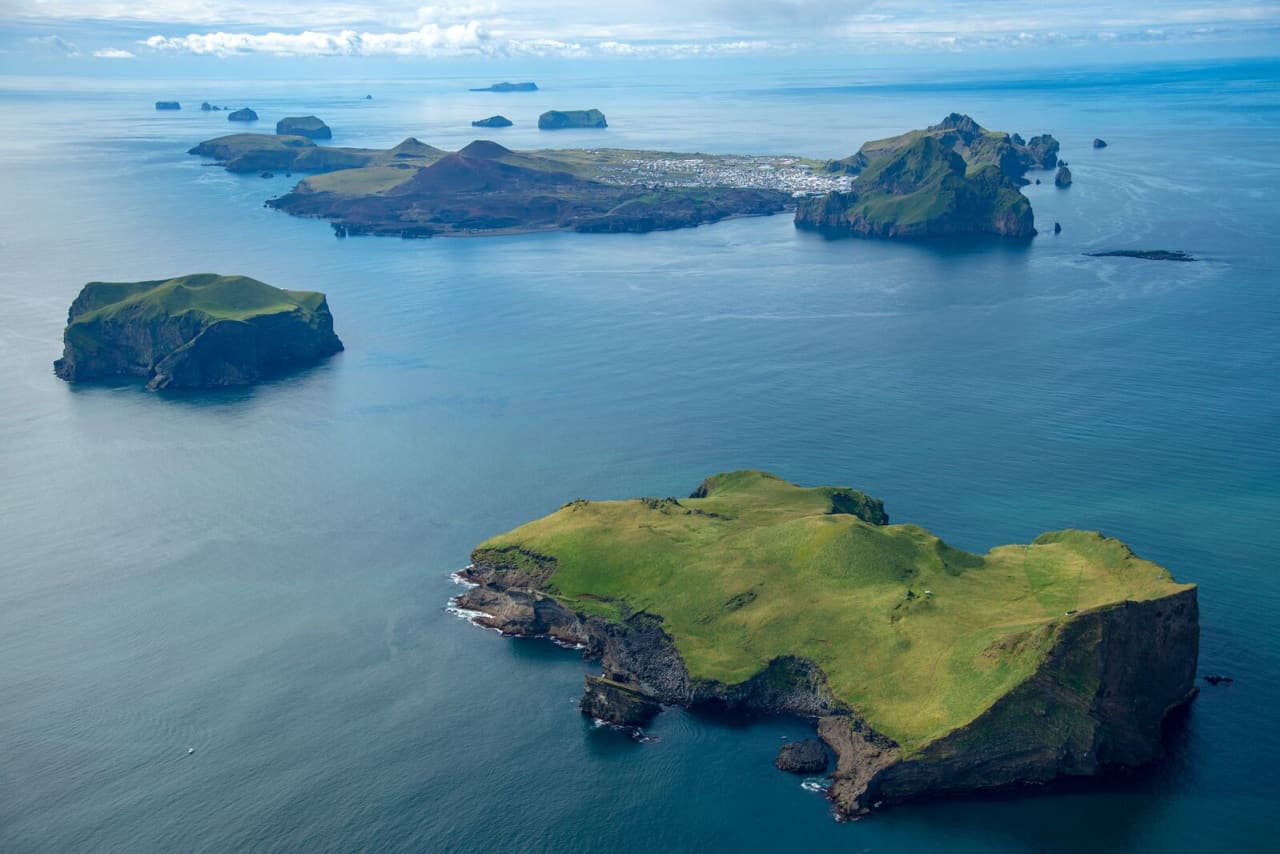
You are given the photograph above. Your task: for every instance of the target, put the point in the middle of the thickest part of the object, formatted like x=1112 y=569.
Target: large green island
x=953 y=178
x=927 y=669
x=197 y=331
x=416 y=190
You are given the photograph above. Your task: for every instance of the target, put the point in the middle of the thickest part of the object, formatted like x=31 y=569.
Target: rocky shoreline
x=1140 y=656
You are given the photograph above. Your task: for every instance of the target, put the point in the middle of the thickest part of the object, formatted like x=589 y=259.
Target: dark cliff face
x=230 y=353
x=1097 y=702
x=639 y=653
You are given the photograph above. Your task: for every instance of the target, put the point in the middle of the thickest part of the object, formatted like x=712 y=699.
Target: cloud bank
x=654 y=28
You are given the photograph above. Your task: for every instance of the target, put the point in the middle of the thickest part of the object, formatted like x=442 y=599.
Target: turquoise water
x=261 y=574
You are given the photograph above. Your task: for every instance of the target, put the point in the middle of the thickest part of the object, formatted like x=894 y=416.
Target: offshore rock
x=561 y=119
x=616 y=703
x=509 y=87
x=309 y=126
x=802 y=757
x=242 y=115
x=1063 y=178
x=199 y=331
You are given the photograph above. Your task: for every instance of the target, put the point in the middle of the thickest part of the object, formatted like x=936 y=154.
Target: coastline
x=1006 y=746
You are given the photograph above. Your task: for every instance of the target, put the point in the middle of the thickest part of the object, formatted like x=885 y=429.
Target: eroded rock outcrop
x=802 y=757
x=616 y=703
x=309 y=126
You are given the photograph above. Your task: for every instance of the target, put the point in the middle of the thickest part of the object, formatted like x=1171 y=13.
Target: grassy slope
x=216 y=297
x=588 y=164
x=781 y=575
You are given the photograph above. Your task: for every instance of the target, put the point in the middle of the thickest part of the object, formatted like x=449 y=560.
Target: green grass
x=213 y=296
x=918 y=636
x=358 y=182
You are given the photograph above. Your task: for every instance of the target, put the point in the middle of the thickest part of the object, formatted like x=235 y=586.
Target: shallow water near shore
x=262 y=575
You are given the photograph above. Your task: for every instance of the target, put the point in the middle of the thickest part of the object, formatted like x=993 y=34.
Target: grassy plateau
x=917 y=636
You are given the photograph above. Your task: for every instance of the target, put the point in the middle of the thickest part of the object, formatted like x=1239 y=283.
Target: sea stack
x=309 y=126
x=562 y=119
x=198 y=331
x=1063 y=177
x=242 y=115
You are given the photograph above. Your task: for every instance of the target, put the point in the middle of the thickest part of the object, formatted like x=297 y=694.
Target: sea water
x=223 y=618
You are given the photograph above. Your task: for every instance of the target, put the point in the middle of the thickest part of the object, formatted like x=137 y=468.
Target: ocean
x=261 y=575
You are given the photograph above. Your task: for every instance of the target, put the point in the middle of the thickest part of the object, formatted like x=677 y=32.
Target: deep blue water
x=261 y=574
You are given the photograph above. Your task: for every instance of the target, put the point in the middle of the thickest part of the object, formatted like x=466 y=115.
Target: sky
x=39 y=35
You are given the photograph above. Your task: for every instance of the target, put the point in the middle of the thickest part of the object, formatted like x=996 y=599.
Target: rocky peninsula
x=486 y=188
x=926 y=669
x=952 y=178
x=197 y=331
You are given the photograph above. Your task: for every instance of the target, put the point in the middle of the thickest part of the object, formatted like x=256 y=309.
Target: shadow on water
x=274 y=382
x=947 y=246
x=1125 y=802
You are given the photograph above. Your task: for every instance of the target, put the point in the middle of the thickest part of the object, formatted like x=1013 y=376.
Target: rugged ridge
x=923 y=190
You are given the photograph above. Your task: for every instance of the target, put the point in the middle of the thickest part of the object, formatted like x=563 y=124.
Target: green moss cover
x=917 y=636
x=209 y=295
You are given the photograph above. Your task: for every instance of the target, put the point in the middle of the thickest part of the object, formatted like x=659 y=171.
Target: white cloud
x=652 y=28
x=54 y=44
x=428 y=40
x=113 y=53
